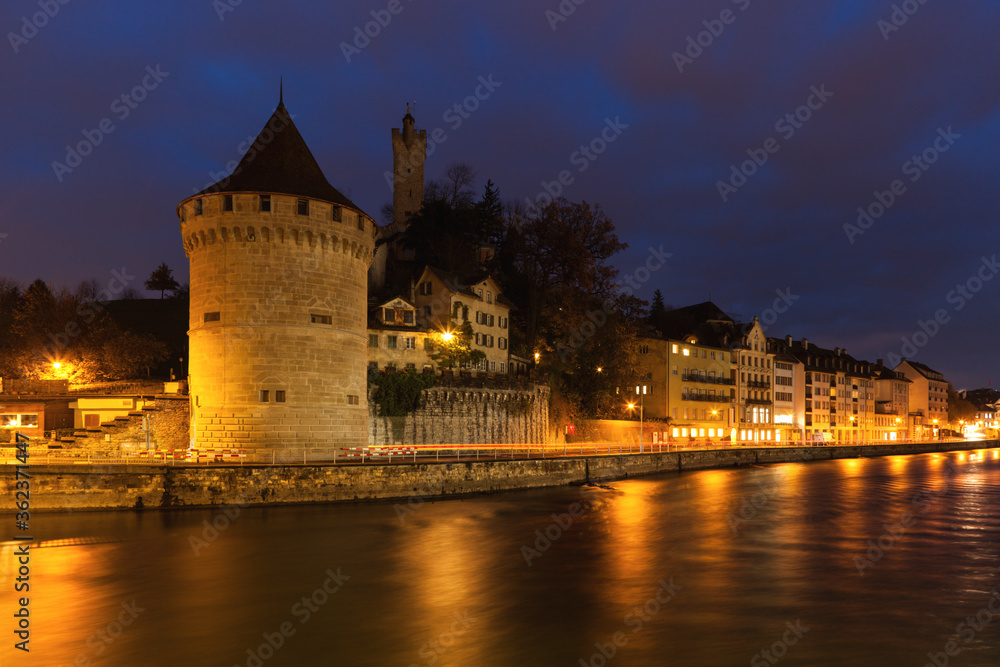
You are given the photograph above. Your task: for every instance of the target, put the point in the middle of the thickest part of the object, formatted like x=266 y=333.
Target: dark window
x=390 y=315
x=303 y=207
x=373 y=341
x=227 y=202
x=361 y=223
x=199 y=206
x=265 y=203
x=213 y=317
x=353 y=400
x=320 y=319
x=265 y=396
x=279 y=396
x=391 y=342
x=407 y=317
x=338 y=214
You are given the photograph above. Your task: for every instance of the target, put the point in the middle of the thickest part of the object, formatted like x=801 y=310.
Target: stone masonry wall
x=467 y=415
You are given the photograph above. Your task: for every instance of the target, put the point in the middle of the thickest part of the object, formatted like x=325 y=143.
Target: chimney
x=805 y=343
x=836 y=351
x=788 y=340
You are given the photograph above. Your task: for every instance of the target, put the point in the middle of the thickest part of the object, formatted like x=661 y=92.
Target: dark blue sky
x=892 y=94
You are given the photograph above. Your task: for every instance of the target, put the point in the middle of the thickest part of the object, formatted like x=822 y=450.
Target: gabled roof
x=463 y=284
x=926 y=371
x=279 y=161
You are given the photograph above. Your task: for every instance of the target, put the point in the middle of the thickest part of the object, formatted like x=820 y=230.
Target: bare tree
x=459 y=181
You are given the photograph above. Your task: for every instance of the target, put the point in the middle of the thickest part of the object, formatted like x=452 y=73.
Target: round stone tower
x=278 y=331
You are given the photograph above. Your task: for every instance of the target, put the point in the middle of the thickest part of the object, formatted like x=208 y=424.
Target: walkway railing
x=397 y=453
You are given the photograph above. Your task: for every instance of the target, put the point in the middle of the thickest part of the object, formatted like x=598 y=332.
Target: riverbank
x=72 y=488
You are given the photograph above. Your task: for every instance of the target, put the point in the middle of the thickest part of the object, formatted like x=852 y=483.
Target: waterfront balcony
x=706 y=398
x=694 y=377
x=758 y=401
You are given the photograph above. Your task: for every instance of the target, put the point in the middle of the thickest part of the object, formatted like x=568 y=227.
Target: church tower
x=409 y=151
x=278 y=337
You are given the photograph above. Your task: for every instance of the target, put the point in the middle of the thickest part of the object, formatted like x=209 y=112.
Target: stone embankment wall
x=473 y=413
x=115 y=487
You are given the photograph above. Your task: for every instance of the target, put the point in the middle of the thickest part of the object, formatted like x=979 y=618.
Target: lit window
x=687 y=352
x=673 y=349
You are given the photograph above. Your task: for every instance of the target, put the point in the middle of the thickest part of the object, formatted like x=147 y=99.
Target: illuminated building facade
x=278 y=269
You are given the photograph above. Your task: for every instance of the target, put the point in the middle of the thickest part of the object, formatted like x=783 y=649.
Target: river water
x=750 y=566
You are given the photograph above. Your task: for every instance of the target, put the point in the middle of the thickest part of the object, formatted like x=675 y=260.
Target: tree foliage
x=457 y=350
x=162 y=279
x=399 y=394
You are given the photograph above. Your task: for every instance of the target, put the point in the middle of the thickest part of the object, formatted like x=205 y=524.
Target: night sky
x=881 y=94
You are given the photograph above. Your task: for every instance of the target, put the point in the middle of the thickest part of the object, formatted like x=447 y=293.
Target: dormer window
x=389 y=315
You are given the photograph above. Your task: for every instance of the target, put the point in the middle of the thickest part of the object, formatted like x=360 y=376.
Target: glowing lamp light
x=537 y=356
x=56 y=365
x=600 y=369
x=447 y=336
x=631 y=406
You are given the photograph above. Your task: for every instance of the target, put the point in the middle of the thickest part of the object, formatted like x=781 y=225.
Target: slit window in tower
x=265 y=203
x=227 y=202
x=303 y=207
x=199 y=206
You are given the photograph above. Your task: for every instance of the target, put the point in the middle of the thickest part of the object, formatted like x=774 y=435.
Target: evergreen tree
x=162 y=279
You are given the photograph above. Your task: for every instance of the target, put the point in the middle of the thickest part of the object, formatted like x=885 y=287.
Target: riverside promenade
x=176 y=485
